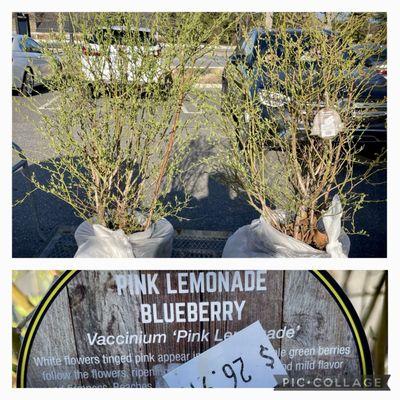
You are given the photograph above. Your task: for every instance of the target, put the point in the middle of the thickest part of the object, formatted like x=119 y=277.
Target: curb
x=208 y=86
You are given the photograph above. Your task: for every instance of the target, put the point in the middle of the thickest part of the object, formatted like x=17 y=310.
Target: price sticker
x=245 y=360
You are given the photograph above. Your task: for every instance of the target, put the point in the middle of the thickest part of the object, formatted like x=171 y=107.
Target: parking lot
x=213 y=206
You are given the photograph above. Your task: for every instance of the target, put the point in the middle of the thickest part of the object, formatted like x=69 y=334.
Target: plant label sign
x=327 y=124
x=245 y=360
x=141 y=329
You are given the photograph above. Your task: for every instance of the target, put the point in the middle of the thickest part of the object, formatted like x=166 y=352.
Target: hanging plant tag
x=327 y=124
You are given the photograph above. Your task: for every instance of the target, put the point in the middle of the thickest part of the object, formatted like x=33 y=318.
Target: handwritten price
x=229 y=369
x=223 y=366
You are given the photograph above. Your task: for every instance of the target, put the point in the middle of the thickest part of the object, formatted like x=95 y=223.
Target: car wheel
x=242 y=123
x=166 y=86
x=242 y=132
x=28 y=83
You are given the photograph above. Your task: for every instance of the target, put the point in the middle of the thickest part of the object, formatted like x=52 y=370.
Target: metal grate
x=62 y=244
x=187 y=244
x=199 y=244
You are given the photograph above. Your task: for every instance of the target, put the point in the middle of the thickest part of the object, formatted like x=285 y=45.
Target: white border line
x=393 y=200
x=45 y=106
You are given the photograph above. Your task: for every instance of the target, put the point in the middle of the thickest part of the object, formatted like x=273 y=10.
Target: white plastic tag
x=327 y=124
x=245 y=360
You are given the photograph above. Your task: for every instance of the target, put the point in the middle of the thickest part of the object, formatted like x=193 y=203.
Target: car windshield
x=359 y=53
x=118 y=35
x=269 y=42
x=245 y=45
x=378 y=58
x=29 y=45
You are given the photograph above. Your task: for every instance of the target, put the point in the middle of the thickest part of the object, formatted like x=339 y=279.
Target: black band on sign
x=35 y=321
x=352 y=319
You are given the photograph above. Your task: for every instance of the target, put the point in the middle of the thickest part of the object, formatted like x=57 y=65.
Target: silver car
x=30 y=67
x=95 y=64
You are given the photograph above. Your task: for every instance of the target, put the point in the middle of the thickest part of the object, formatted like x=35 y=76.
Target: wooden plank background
x=90 y=303
x=55 y=338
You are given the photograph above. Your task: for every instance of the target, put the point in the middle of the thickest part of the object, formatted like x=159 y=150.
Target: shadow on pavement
x=212 y=207
x=37 y=91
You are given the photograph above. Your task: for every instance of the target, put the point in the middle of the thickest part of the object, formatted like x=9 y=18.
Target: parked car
x=30 y=67
x=378 y=61
x=372 y=105
x=100 y=62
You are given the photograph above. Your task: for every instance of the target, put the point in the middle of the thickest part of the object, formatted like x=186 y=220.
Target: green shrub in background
x=116 y=131
x=279 y=162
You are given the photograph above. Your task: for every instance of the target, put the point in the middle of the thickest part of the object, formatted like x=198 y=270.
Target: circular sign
x=192 y=329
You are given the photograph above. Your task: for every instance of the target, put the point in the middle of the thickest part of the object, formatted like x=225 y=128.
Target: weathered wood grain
x=90 y=303
x=96 y=307
x=55 y=338
x=171 y=346
x=265 y=306
x=318 y=321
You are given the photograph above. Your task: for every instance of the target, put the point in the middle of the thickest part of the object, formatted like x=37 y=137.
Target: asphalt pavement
x=213 y=205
